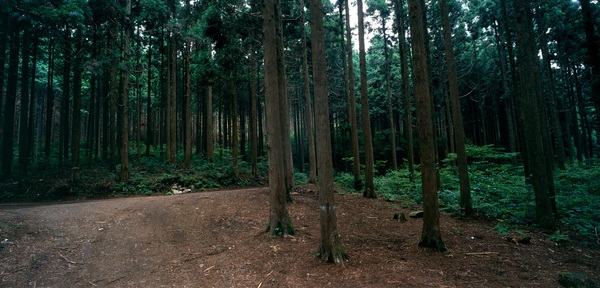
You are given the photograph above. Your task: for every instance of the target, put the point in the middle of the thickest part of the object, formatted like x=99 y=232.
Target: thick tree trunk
x=312 y=174
x=351 y=99
x=284 y=106
x=279 y=219
x=459 y=133
x=431 y=235
x=531 y=89
x=330 y=249
x=369 y=191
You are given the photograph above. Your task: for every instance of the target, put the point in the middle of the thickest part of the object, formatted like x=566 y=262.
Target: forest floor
x=218 y=239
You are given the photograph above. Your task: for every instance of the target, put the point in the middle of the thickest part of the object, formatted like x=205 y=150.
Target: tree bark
x=351 y=95
x=330 y=249
x=531 y=89
x=459 y=133
x=431 y=236
x=369 y=191
x=592 y=49
x=76 y=127
x=23 y=119
x=312 y=174
x=404 y=57
x=188 y=105
x=124 y=175
x=279 y=219
x=10 y=99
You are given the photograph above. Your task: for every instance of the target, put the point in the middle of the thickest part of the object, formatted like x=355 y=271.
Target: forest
x=474 y=108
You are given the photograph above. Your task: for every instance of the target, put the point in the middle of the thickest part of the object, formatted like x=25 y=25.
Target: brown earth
x=217 y=239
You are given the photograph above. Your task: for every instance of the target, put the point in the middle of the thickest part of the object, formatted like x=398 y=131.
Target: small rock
x=572 y=280
x=176 y=192
x=187 y=190
x=416 y=214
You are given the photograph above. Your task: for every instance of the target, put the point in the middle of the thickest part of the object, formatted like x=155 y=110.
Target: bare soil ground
x=217 y=239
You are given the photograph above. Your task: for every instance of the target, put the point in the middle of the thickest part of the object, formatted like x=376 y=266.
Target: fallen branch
x=482 y=253
x=68 y=261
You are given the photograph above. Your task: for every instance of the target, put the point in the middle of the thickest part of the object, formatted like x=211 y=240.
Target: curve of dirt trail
x=217 y=239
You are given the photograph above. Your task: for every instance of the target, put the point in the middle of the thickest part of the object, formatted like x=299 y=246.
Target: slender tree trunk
x=389 y=97
x=459 y=133
x=112 y=99
x=404 y=58
x=50 y=99
x=124 y=176
x=253 y=112
x=593 y=49
x=4 y=31
x=63 y=150
x=234 y=129
x=330 y=249
x=312 y=174
x=279 y=219
x=76 y=127
x=351 y=95
x=9 y=105
x=23 y=120
x=369 y=191
x=188 y=105
x=531 y=89
x=431 y=235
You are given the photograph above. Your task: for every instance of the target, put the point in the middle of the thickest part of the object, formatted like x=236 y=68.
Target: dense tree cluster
x=114 y=81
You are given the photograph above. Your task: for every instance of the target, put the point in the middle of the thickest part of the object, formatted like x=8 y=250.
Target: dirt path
x=217 y=239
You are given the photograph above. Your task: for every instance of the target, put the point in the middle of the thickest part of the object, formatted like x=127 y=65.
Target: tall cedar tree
x=312 y=174
x=369 y=191
x=10 y=99
x=431 y=236
x=408 y=118
x=457 y=122
x=593 y=47
x=352 y=103
x=330 y=249
x=125 y=90
x=279 y=218
x=530 y=100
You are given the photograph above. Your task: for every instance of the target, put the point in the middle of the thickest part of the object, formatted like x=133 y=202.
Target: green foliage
x=300 y=178
x=559 y=237
x=499 y=192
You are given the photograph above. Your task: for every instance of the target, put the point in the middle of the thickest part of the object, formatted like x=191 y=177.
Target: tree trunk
x=459 y=133
x=284 y=107
x=330 y=249
x=404 y=55
x=593 y=50
x=389 y=97
x=124 y=176
x=531 y=89
x=234 y=129
x=351 y=95
x=112 y=99
x=369 y=191
x=49 y=99
x=188 y=105
x=312 y=174
x=9 y=105
x=431 y=235
x=279 y=220
x=76 y=127
x=253 y=112
x=63 y=150
x=23 y=120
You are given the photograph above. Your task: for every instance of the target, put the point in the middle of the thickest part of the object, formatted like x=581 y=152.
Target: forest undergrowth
x=498 y=188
